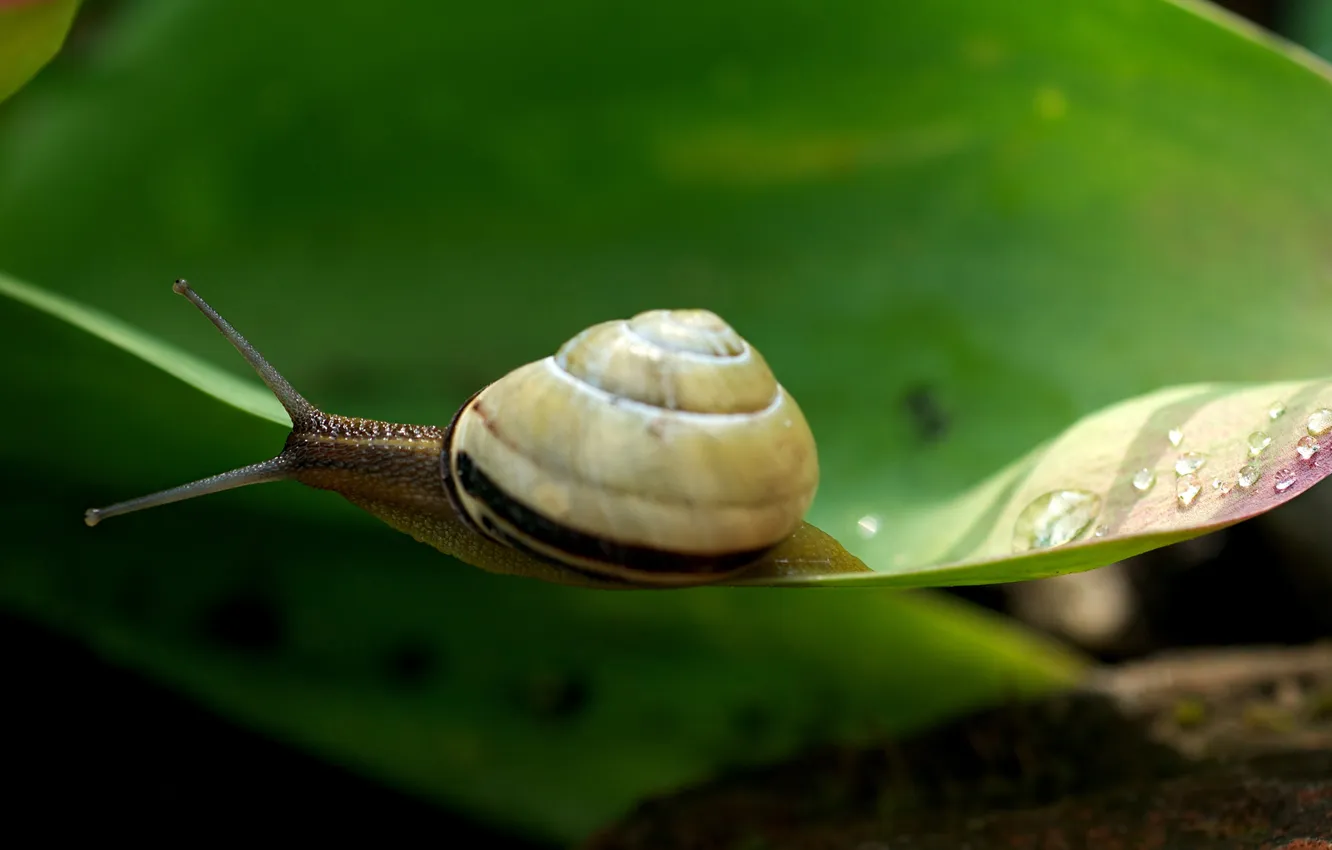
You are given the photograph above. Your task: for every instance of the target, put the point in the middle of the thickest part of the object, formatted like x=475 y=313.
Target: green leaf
x=1064 y=223
x=544 y=708
x=30 y=35
x=955 y=229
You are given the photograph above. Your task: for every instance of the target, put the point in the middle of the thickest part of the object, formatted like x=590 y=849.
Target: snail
x=657 y=451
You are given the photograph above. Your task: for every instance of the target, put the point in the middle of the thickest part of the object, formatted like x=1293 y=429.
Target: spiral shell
x=655 y=449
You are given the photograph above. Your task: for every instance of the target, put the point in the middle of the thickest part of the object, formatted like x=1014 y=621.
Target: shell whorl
x=659 y=444
x=688 y=360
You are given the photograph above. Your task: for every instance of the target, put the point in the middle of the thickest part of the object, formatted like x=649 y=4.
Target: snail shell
x=656 y=449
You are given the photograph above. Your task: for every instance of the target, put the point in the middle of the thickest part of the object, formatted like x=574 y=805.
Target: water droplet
x=1222 y=486
x=1320 y=422
x=1190 y=462
x=1248 y=475
x=1258 y=443
x=1054 y=519
x=867 y=526
x=1100 y=531
x=1307 y=447
x=1276 y=410
x=1175 y=436
x=1144 y=480
x=1187 y=489
x=1284 y=478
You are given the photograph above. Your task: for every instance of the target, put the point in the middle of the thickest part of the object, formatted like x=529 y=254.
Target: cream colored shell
x=667 y=431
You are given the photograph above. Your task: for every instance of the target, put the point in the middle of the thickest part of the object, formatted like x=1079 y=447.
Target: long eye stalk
x=276 y=469
x=296 y=405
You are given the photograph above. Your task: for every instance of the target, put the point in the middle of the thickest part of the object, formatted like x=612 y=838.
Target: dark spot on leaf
x=247 y=621
x=823 y=708
x=411 y=664
x=555 y=696
x=752 y=722
x=925 y=412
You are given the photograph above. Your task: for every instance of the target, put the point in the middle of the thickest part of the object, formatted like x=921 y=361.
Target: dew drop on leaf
x=1100 y=531
x=1222 y=486
x=1320 y=422
x=1175 y=436
x=1307 y=447
x=1190 y=463
x=1054 y=519
x=1187 y=489
x=1144 y=480
x=1248 y=475
x=1284 y=478
x=1258 y=443
x=868 y=526
x=1276 y=410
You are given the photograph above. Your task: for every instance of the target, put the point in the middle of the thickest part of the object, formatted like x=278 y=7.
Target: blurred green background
x=952 y=228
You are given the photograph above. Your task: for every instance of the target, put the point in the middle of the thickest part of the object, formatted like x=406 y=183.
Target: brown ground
x=1225 y=749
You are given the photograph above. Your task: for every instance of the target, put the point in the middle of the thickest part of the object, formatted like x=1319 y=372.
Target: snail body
x=656 y=451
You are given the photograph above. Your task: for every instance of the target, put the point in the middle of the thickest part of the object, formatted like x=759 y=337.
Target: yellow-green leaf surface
x=30 y=34
x=955 y=229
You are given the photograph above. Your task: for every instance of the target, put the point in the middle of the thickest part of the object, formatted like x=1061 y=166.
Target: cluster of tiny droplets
x=1187 y=465
x=1061 y=516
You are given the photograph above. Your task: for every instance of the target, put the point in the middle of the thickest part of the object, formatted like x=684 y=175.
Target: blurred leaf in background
x=30 y=34
x=952 y=228
x=1310 y=23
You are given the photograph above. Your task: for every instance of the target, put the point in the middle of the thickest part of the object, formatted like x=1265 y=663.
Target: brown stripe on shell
x=588 y=547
